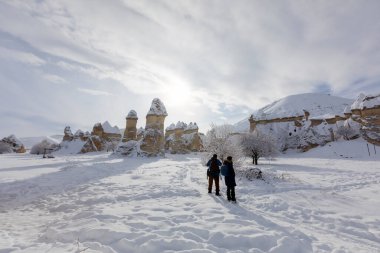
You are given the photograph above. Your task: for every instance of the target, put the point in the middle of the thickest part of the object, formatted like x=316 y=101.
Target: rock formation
x=103 y=137
x=182 y=138
x=308 y=131
x=11 y=144
x=152 y=142
x=68 y=135
x=366 y=111
x=130 y=132
x=148 y=141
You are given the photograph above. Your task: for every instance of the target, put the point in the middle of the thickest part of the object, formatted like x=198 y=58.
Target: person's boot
x=228 y=196
x=217 y=193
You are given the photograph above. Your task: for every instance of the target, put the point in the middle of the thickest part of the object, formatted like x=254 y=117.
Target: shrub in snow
x=256 y=145
x=44 y=147
x=253 y=173
x=347 y=133
x=130 y=148
x=220 y=140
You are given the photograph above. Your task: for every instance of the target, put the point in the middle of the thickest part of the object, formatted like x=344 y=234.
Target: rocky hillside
x=309 y=120
x=318 y=105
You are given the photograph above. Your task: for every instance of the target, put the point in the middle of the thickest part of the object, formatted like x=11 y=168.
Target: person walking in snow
x=230 y=179
x=213 y=173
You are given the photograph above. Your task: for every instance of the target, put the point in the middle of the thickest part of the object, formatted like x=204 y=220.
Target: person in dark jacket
x=230 y=179
x=213 y=173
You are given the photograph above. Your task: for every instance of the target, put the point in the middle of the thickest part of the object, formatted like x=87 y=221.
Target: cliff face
x=366 y=111
x=317 y=126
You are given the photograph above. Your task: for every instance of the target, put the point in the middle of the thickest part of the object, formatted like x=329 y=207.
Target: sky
x=76 y=63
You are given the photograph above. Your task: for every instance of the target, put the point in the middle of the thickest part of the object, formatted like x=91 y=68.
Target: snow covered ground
x=326 y=200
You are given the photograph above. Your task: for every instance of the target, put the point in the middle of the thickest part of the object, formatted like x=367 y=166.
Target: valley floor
x=326 y=200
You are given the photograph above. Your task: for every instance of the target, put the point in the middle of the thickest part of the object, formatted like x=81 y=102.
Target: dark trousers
x=210 y=180
x=231 y=193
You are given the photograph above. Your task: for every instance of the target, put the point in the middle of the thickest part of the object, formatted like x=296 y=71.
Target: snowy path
x=102 y=203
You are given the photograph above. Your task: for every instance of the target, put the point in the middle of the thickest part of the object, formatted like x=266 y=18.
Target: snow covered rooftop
x=157 y=108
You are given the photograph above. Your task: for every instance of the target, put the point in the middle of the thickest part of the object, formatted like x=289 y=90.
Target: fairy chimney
x=306 y=115
x=130 y=132
x=252 y=124
x=68 y=135
x=153 y=140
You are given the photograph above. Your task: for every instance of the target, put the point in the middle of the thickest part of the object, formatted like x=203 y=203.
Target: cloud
x=94 y=92
x=54 y=78
x=206 y=60
x=23 y=57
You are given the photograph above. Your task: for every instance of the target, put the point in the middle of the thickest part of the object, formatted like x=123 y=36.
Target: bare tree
x=221 y=141
x=348 y=133
x=257 y=145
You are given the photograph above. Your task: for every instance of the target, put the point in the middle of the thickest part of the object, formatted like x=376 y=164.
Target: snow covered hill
x=322 y=201
x=315 y=103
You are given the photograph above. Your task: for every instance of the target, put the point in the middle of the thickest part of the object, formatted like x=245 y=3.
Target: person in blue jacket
x=213 y=172
x=230 y=179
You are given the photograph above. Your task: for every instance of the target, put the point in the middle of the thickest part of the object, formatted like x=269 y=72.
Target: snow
x=294 y=105
x=180 y=125
x=132 y=114
x=347 y=109
x=242 y=126
x=325 y=200
x=107 y=128
x=320 y=106
x=140 y=131
x=29 y=142
x=157 y=108
x=70 y=147
x=78 y=132
x=324 y=116
x=192 y=126
x=170 y=127
x=13 y=139
x=369 y=101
